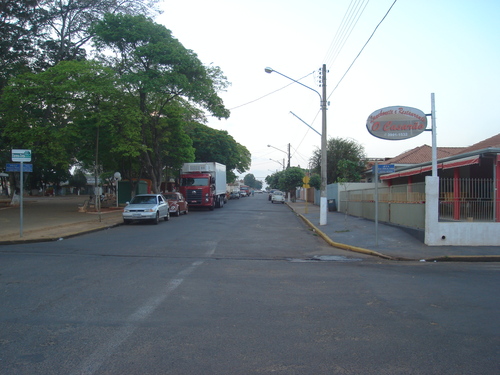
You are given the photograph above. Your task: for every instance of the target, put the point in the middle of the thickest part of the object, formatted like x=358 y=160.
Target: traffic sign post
x=21 y=156
x=306 y=185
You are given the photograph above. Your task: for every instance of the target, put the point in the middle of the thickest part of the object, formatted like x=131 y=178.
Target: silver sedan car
x=151 y=207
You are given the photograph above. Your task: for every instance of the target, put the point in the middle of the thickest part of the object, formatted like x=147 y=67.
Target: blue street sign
x=16 y=167
x=384 y=168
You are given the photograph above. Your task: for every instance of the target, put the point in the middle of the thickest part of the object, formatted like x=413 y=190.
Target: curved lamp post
x=323 y=201
x=286 y=153
x=280 y=163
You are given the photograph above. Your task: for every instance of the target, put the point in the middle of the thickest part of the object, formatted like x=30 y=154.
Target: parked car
x=278 y=197
x=270 y=194
x=234 y=195
x=177 y=203
x=146 y=207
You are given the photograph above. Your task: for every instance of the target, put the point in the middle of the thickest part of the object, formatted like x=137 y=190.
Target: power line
x=373 y=33
x=273 y=92
x=349 y=22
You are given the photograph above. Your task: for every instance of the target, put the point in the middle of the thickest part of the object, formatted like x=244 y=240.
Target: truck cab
x=203 y=184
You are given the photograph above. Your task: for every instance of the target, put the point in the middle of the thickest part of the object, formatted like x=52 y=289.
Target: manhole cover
x=326 y=258
x=335 y=258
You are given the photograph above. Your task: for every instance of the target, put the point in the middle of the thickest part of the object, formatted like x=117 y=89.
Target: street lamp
x=286 y=153
x=323 y=201
x=280 y=163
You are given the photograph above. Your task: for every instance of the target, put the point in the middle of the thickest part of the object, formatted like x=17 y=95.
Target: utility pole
x=289 y=156
x=323 y=199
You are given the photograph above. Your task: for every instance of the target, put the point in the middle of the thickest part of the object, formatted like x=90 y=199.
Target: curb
x=464 y=258
x=344 y=246
x=59 y=238
x=444 y=258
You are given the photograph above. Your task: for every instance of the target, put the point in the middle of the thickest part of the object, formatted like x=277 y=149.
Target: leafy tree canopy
x=160 y=74
x=350 y=155
x=133 y=112
x=273 y=180
x=217 y=145
x=57 y=114
x=250 y=180
x=290 y=179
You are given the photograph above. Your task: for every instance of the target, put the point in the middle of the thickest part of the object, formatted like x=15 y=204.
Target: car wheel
x=157 y=218
x=178 y=212
x=186 y=212
x=272 y=202
x=167 y=218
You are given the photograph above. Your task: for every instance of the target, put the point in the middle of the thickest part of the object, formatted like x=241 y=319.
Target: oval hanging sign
x=395 y=123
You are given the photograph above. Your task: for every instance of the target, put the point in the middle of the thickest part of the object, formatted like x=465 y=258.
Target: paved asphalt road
x=239 y=291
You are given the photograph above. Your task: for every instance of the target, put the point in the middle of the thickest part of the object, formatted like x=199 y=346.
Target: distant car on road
x=177 y=203
x=151 y=207
x=270 y=194
x=278 y=197
x=234 y=195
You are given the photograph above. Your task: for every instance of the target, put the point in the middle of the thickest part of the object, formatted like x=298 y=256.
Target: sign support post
x=21 y=156
x=434 y=144
x=376 y=203
x=21 y=203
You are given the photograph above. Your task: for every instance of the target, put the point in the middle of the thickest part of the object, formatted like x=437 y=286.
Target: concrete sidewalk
x=359 y=235
x=53 y=218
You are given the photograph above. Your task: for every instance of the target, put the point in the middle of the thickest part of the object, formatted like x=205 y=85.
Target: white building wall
x=456 y=233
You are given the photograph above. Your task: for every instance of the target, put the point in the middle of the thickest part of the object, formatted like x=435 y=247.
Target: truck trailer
x=203 y=184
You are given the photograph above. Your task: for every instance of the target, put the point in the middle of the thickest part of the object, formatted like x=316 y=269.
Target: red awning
x=445 y=165
x=461 y=162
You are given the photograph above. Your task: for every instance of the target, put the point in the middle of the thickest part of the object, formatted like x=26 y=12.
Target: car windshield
x=199 y=181
x=278 y=193
x=143 y=199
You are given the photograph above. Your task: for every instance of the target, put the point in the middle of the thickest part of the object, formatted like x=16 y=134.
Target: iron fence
x=467 y=199
x=413 y=193
x=462 y=199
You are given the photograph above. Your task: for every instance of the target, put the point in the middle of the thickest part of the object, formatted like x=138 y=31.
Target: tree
x=37 y=34
x=315 y=181
x=290 y=179
x=19 y=28
x=273 y=180
x=250 y=180
x=349 y=152
x=67 y=24
x=217 y=145
x=159 y=72
x=78 y=180
x=64 y=113
x=349 y=171
x=287 y=180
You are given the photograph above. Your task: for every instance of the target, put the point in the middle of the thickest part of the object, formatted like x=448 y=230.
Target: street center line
x=106 y=350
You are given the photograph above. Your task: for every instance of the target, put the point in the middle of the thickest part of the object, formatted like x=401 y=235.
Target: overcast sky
x=447 y=47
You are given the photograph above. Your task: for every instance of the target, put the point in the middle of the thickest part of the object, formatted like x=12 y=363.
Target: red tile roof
x=423 y=154
x=493 y=142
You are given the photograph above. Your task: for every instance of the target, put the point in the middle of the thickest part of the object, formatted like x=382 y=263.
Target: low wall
x=463 y=234
x=456 y=233
x=423 y=216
